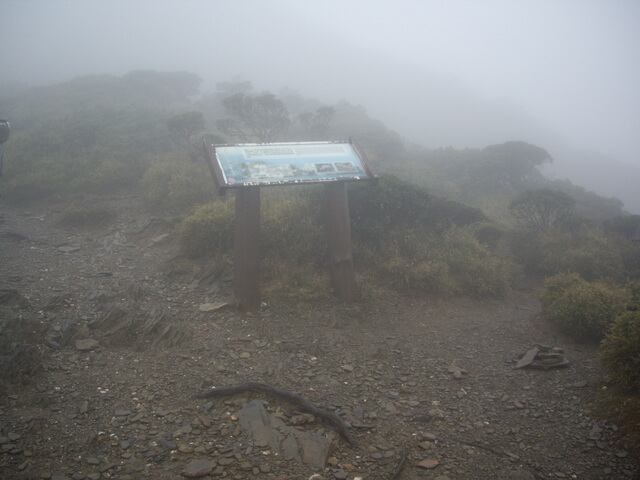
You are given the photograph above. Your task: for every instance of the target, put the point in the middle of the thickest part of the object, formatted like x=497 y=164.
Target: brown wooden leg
x=339 y=233
x=247 y=248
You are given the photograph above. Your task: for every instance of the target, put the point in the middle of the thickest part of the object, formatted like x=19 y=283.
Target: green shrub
x=391 y=203
x=64 y=176
x=582 y=309
x=407 y=257
x=488 y=233
x=590 y=254
x=625 y=226
x=292 y=227
x=293 y=242
x=176 y=185
x=451 y=263
x=209 y=230
x=477 y=271
x=289 y=281
x=620 y=354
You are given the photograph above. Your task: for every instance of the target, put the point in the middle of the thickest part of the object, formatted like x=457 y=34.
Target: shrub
x=293 y=241
x=541 y=209
x=290 y=229
x=407 y=257
x=581 y=309
x=488 y=234
x=624 y=226
x=295 y=282
x=291 y=226
x=62 y=176
x=555 y=287
x=392 y=203
x=590 y=254
x=476 y=270
x=209 y=230
x=620 y=354
x=450 y=263
x=176 y=185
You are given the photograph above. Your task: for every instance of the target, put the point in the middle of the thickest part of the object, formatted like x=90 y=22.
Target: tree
x=510 y=163
x=317 y=123
x=261 y=118
x=541 y=209
x=184 y=126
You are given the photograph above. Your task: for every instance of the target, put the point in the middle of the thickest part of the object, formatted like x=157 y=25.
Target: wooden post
x=339 y=233
x=247 y=248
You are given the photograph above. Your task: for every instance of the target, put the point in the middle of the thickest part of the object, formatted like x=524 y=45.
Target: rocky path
x=108 y=335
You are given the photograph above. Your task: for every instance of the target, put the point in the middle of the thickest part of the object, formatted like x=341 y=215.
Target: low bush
x=209 y=230
x=590 y=254
x=391 y=203
x=623 y=225
x=582 y=309
x=294 y=282
x=488 y=233
x=292 y=227
x=620 y=357
x=623 y=409
x=62 y=177
x=175 y=185
x=620 y=354
x=389 y=245
x=450 y=263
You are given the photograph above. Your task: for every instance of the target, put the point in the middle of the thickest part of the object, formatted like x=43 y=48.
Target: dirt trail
x=107 y=336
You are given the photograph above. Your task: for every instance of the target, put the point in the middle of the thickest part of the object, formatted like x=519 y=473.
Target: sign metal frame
x=288 y=163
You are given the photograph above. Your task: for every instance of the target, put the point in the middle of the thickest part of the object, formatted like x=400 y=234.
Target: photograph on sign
x=286 y=163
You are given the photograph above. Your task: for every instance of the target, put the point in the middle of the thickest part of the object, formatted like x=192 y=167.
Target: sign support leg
x=339 y=233
x=247 y=248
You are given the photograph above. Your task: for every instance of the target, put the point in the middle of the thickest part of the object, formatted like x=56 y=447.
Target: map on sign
x=285 y=163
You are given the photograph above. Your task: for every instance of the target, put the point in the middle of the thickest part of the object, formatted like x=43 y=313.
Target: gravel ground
x=108 y=336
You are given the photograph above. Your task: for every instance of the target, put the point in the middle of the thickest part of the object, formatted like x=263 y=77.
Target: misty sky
x=563 y=67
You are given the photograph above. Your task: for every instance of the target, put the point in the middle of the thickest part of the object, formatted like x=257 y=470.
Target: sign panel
x=267 y=164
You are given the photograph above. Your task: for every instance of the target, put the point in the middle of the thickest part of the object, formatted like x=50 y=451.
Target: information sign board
x=265 y=164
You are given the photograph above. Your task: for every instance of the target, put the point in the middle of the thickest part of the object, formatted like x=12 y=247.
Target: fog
x=563 y=75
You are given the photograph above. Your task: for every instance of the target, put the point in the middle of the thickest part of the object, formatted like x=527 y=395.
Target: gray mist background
x=563 y=74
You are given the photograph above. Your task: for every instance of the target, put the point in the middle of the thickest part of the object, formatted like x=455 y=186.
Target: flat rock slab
x=87 y=344
x=269 y=430
x=543 y=357
x=212 y=307
x=528 y=358
x=198 y=468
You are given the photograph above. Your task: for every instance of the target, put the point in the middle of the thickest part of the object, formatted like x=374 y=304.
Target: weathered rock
x=543 y=357
x=456 y=370
x=212 y=307
x=87 y=344
x=169 y=444
x=528 y=358
x=198 y=468
x=428 y=463
x=269 y=430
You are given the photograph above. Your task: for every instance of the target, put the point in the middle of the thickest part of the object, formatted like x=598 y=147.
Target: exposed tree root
x=329 y=418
